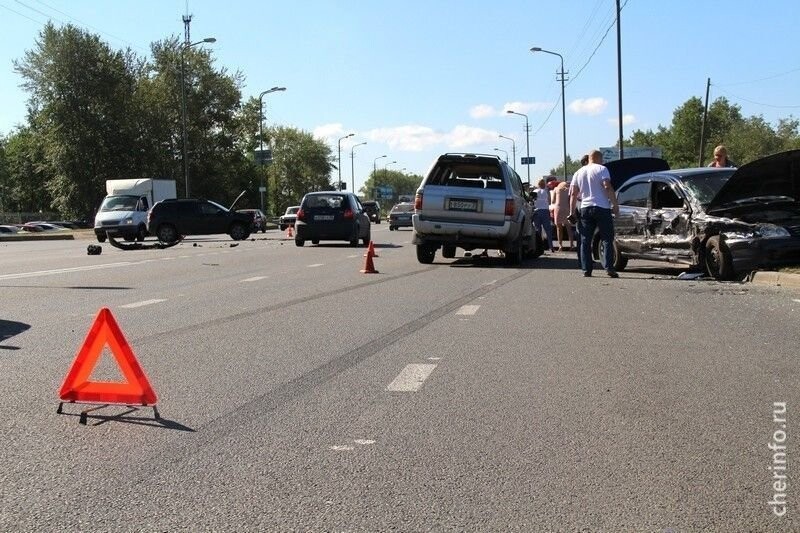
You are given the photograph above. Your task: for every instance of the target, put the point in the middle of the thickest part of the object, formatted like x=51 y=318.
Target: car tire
x=299 y=242
x=717 y=259
x=448 y=251
x=391 y=228
x=314 y=241
x=141 y=234
x=619 y=262
x=282 y=227
x=366 y=238
x=239 y=232
x=354 y=238
x=539 y=248
x=167 y=233
x=425 y=253
x=101 y=238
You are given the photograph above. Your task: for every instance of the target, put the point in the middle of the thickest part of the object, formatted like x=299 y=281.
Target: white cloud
x=327 y=131
x=588 y=106
x=626 y=120
x=482 y=111
x=416 y=138
x=526 y=107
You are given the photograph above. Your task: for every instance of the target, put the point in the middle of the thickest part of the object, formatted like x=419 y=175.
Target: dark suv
x=373 y=210
x=331 y=216
x=169 y=220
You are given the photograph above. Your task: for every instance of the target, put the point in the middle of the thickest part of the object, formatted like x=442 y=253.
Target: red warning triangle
x=77 y=388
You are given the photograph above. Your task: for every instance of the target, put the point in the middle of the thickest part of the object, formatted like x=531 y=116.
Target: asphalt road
x=298 y=394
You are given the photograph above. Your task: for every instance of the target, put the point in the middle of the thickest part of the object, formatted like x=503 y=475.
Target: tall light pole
x=374 y=167
x=501 y=150
x=385 y=172
x=186 y=45
x=352 y=166
x=513 y=150
x=527 y=141
x=563 y=103
x=339 y=160
x=263 y=188
x=619 y=82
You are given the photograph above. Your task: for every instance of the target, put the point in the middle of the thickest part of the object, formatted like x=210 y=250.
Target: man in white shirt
x=592 y=184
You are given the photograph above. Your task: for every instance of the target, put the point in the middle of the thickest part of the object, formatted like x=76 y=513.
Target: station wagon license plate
x=461 y=204
x=323 y=217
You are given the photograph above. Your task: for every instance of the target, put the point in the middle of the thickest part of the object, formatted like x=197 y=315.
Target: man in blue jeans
x=592 y=184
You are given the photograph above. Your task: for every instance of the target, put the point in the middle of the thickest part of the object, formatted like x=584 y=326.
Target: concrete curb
x=777 y=279
x=35 y=237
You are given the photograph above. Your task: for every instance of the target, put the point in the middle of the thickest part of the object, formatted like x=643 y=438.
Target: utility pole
x=619 y=82
x=703 y=127
x=187 y=21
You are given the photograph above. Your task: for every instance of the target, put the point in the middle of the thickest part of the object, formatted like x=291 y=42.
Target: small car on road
x=373 y=210
x=259 y=219
x=331 y=216
x=289 y=217
x=400 y=216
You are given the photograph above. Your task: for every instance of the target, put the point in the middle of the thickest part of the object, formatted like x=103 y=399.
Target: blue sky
x=418 y=78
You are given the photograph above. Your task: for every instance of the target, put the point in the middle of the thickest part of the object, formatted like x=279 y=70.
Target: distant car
x=373 y=210
x=331 y=216
x=288 y=218
x=259 y=219
x=726 y=221
x=400 y=216
x=8 y=229
x=170 y=219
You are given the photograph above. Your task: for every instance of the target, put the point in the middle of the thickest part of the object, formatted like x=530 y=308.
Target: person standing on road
x=575 y=213
x=592 y=184
x=560 y=198
x=541 y=213
x=721 y=157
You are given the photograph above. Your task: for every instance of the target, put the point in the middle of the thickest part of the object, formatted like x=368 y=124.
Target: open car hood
x=774 y=175
x=623 y=169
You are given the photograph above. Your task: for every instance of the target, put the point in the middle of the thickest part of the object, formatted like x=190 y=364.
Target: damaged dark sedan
x=725 y=221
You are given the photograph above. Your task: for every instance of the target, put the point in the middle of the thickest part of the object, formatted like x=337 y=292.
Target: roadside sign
x=262 y=157
x=262 y=189
x=528 y=160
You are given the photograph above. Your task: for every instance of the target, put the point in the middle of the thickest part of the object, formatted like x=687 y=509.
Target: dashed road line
x=468 y=310
x=255 y=278
x=63 y=270
x=411 y=378
x=142 y=303
x=316 y=265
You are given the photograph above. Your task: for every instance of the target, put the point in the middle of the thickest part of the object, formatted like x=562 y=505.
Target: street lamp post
x=186 y=45
x=527 y=141
x=339 y=160
x=505 y=152
x=352 y=166
x=374 y=167
x=263 y=188
x=563 y=103
x=513 y=150
x=385 y=172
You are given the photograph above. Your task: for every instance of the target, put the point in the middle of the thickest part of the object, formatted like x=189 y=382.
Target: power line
x=757 y=103
x=21 y=15
x=762 y=79
x=88 y=25
x=598 y=45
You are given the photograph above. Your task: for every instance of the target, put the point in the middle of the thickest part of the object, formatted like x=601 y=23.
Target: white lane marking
x=468 y=310
x=352 y=256
x=796 y=300
x=364 y=442
x=411 y=378
x=341 y=448
x=142 y=303
x=434 y=358
x=316 y=265
x=168 y=258
x=255 y=278
x=63 y=270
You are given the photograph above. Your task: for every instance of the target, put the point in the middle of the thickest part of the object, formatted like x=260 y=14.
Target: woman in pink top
x=560 y=200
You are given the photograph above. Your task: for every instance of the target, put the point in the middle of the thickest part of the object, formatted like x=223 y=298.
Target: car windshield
x=704 y=187
x=119 y=203
x=292 y=210
x=403 y=208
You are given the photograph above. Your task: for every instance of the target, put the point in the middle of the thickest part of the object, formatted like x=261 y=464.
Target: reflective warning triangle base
x=77 y=388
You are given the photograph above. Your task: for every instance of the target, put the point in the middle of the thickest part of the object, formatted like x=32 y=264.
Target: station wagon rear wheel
x=425 y=253
x=167 y=233
x=239 y=232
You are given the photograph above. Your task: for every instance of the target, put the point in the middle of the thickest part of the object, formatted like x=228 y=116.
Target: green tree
x=399 y=181
x=81 y=95
x=25 y=187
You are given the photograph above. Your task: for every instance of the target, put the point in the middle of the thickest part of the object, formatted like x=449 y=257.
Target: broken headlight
x=771 y=231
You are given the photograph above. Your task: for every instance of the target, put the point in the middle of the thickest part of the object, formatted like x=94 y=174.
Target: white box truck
x=124 y=210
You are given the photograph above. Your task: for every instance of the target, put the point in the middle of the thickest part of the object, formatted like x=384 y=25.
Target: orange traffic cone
x=369 y=268
x=371 y=250
x=289 y=232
